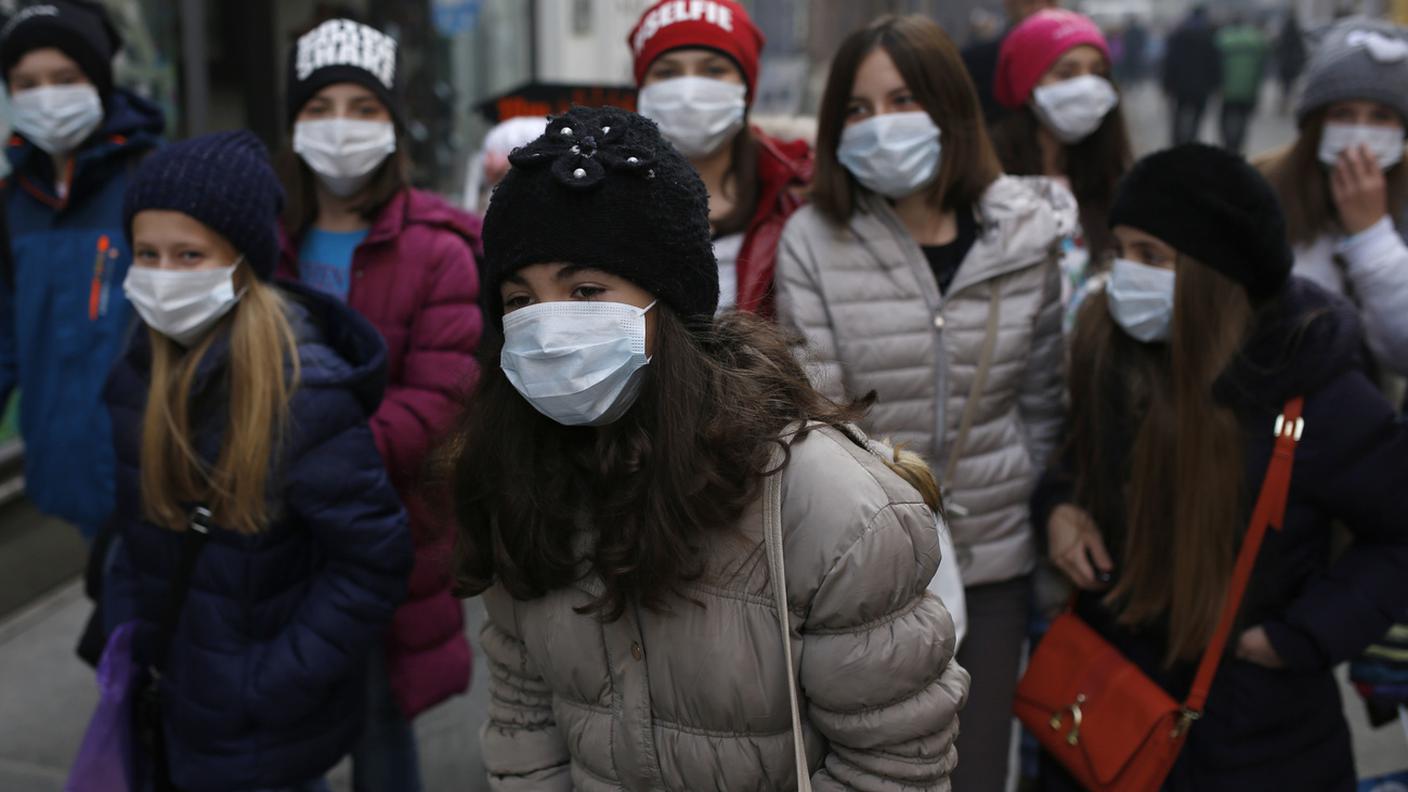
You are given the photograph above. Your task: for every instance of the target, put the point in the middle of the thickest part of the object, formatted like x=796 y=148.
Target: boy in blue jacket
x=63 y=316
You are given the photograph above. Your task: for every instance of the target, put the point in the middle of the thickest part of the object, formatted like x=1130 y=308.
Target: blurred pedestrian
x=1343 y=183
x=1192 y=72
x=980 y=58
x=262 y=547
x=923 y=276
x=1132 y=68
x=608 y=478
x=63 y=316
x=1290 y=54
x=1179 y=370
x=697 y=70
x=1244 y=50
x=489 y=165
x=1054 y=74
x=404 y=259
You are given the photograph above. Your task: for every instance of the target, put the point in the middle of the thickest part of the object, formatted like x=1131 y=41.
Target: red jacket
x=784 y=172
x=414 y=278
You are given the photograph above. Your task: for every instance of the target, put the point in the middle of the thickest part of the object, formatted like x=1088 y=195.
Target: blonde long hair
x=263 y=373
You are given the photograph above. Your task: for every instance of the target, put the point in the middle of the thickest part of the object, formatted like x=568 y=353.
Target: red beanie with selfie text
x=720 y=25
x=1034 y=46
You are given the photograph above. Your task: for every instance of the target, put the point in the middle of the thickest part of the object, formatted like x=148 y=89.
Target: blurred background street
x=212 y=65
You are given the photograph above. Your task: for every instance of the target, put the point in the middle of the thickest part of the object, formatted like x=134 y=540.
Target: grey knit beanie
x=1358 y=58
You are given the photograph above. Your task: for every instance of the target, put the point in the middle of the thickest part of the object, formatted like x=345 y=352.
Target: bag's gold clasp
x=1076 y=717
x=1185 y=721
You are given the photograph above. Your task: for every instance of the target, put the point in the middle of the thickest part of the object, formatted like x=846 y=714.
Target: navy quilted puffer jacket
x=265 y=676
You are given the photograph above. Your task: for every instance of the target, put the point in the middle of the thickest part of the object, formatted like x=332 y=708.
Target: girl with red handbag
x=1178 y=373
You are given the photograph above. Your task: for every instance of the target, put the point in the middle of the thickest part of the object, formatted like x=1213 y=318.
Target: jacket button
x=938 y=321
x=636 y=651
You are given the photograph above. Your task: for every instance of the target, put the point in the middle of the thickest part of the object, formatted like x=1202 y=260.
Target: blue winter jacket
x=63 y=317
x=264 y=680
x=1284 y=729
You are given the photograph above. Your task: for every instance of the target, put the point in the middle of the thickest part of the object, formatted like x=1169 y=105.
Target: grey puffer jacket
x=866 y=301
x=696 y=699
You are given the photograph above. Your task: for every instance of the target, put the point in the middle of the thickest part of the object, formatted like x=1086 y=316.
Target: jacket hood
x=412 y=207
x=130 y=123
x=1303 y=338
x=337 y=346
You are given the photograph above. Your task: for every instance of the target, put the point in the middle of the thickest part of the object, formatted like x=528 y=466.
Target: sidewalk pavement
x=47 y=696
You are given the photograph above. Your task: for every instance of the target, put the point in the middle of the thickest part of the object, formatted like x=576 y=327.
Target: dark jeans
x=386 y=757
x=1187 y=119
x=992 y=654
x=1236 y=118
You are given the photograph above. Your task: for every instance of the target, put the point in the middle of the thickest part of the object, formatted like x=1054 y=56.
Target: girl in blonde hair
x=261 y=547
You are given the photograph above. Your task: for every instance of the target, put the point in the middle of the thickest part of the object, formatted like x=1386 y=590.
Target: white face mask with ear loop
x=1073 y=109
x=1141 y=298
x=344 y=152
x=57 y=118
x=893 y=154
x=1385 y=142
x=578 y=363
x=182 y=304
x=697 y=114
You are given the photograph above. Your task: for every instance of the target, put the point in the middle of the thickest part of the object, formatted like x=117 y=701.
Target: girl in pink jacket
x=405 y=260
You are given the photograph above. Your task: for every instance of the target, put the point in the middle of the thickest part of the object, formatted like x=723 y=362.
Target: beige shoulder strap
x=980 y=381
x=772 y=541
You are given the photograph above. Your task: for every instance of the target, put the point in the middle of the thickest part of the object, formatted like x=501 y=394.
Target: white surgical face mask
x=1141 y=299
x=1386 y=142
x=697 y=114
x=895 y=154
x=181 y=304
x=578 y=363
x=57 y=118
x=344 y=151
x=1073 y=109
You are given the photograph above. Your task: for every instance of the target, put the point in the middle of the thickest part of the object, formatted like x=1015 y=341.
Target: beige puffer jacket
x=867 y=302
x=697 y=699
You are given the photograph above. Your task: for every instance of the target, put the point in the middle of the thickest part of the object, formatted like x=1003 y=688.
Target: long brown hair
x=262 y=373
x=932 y=69
x=1302 y=183
x=743 y=178
x=1094 y=166
x=1174 y=529
x=681 y=465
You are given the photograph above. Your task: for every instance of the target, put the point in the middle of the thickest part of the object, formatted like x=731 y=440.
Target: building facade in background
x=220 y=64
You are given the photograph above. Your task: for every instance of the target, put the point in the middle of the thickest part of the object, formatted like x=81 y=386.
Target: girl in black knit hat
x=616 y=475
x=261 y=547
x=1179 y=371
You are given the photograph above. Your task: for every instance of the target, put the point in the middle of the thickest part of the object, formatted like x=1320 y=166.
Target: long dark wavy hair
x=1094 y=167
x=681 y=465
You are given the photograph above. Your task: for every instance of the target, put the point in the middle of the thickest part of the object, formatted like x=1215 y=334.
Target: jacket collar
x=1019 y=220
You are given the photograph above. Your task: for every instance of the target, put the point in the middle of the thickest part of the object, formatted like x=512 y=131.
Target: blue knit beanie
x=225 y=181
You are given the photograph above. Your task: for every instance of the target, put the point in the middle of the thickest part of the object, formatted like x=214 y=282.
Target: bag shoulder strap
x=1270 y=511
x=772 y=541
x=980 y=382
x=197 y=533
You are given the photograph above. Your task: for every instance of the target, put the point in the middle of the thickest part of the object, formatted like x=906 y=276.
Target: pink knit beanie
x=1034 y=45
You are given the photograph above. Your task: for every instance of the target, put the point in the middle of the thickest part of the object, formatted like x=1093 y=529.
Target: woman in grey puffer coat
x=610 y=477
x=922 y=275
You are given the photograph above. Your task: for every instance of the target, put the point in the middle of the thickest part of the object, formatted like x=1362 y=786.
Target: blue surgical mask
x=1141 y=299
x=895 y=154
x=578 y=363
